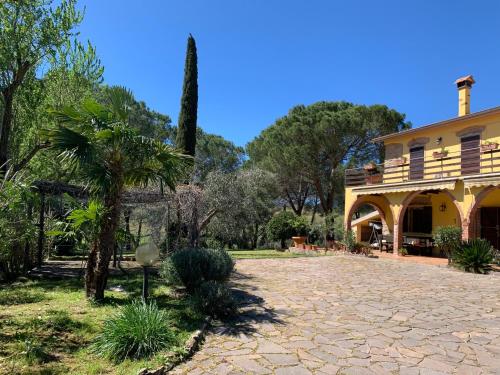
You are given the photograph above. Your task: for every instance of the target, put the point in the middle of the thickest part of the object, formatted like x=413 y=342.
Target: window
x=417 y=163
x=418 y=219
x=470 y=155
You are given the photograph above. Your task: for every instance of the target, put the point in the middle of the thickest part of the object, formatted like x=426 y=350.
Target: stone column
x=397 y=238
x=465 y=229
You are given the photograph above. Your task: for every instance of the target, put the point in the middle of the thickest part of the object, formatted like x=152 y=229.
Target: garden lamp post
x=146 y=255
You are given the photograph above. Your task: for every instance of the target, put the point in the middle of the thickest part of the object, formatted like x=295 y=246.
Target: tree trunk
x=115 y=253
x=194 y=233
x=255 y=236
x=8 y=101
x=139 y=230
x=314 y=210
x=128 y=244
x=41 y=231
x=100 y=255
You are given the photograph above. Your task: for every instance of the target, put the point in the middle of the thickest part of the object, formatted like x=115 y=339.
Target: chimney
x=464 y=84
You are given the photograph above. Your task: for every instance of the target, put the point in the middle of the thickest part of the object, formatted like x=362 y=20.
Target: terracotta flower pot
x=373 y=179
x=308 y=247
x=439 y=154
x=299 y=240
x=396 y=162
x=487 y=147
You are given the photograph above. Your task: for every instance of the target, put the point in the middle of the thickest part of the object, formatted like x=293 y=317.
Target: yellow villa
x=446 y=173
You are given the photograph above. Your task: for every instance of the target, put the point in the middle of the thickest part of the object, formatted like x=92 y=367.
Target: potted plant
x=489 y=146
x=396 y=162
x=440 y=154
x=370 y=166
x=301 y=228
x=402 y=252
x=373 y=179
x=373 y=175
x=298 y=241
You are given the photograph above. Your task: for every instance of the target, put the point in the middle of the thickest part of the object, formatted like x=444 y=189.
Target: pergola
x=131 y=197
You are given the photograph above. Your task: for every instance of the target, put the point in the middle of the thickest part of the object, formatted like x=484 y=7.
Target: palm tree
x=99 y=142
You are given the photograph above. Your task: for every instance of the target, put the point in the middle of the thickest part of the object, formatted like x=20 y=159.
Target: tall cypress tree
x=186 y=127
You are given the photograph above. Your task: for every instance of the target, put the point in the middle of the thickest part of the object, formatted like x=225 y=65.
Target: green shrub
x=215 y=299
x=213 y=243
x=185 y=267
x=474 y=256
x=316 y=235
x=190 y=267
x=349 y=241
x=138 y=330
x=281 y=227
x=301 y=226
x=448 y=239
x=219 y=265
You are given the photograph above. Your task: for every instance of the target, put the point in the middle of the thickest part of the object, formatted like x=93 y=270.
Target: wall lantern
x=442 y=208
x=439 y=140
x=146 y=255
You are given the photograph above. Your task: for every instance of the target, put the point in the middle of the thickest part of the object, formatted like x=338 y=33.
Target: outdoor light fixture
x=442 y=208
x=439 y=140
x=146 y=255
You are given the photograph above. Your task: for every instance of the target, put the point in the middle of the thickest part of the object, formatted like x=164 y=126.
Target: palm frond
x=155 y=161
x=70 y=144
x=121 y=100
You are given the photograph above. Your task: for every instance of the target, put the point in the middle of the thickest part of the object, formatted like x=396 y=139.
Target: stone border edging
x=192 y=344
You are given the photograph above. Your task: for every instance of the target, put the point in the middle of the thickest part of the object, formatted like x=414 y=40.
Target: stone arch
x=470 y=228
x=362 y=200
x=398 y=236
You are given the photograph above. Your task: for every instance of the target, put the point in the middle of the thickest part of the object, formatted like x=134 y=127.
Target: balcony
x=483 y=160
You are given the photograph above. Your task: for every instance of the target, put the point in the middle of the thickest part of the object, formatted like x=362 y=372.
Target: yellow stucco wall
x=486 y=125
x=449 y=217
x=492 y=199
x=451 y=142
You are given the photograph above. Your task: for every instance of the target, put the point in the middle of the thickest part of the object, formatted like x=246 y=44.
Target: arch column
x=398 y=230
x=366 y=200
x=469 y=227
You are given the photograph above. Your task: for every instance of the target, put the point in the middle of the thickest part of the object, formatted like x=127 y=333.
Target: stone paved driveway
x=352 y=315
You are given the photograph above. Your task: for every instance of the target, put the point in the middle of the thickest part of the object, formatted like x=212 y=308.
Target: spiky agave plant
x=475 y=255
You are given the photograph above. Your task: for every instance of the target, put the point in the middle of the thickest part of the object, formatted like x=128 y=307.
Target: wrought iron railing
x=442 y=164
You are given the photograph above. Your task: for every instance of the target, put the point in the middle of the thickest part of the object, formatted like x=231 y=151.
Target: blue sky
x=258 y=58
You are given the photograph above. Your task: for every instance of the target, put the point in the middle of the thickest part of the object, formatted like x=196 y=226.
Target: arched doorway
x=421 y=212
x=370 y=217
x=483 y=218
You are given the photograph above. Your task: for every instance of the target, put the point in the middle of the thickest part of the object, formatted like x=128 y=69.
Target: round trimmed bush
x=136 y=331
x=219 y=265
x=190 y=267
x=215 y=299
x=185 y=267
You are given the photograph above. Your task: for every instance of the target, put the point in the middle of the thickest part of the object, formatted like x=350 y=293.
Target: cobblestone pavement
x=354 y=315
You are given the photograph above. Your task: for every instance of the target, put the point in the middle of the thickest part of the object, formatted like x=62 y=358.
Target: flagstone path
x=354 y=315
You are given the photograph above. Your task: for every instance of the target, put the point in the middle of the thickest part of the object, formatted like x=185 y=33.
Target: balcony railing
x=481 y=160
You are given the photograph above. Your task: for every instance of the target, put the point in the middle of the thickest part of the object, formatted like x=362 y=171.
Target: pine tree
x=186 y=130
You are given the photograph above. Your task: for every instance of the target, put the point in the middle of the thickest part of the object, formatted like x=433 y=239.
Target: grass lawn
x=46 y=327
x=263 y=254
